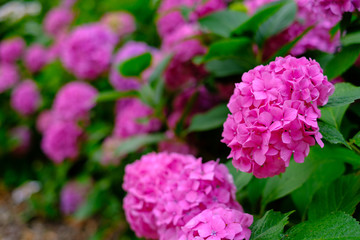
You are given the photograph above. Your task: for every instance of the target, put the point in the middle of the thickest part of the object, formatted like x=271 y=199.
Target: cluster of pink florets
x=165 y=197
x=57 y=21
x=73 y=196
x=274 y=112
x=25 y=98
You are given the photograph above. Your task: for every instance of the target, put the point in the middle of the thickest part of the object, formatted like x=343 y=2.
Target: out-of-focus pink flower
x=219 y=223
x=274 y=112
x=121 y=23
x=11 y=49
x=181 y=70
x=25 y=98
x=87 y=51
x=45 y=120
x=164 y=197
x=134 y=118
x=60 y=141
x=68 y=3
x=57 y=21
x=129 y=50
x=36 y=57
x=73 y=196
x=8 y=76
x=74 y=101
x=22 y=136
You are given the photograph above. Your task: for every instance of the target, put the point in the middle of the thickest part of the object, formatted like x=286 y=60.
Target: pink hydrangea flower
x=8 y=76
x=274 y=112
x=11 y=49
x=181 y=70
x=121 y=23
x=129 y=119
x=73 y=196
x=163 y=198
x=129 y=50
x=25 y=98
x=60 y=141
x=337 y=8
x=87 y=50
x=57 y=21
x=218 y=223
x=36 y=57
x=74 y=101
x=45 y=120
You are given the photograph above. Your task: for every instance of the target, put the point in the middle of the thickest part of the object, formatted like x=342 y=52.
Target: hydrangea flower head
x=128 y=119
x=121 y=23
x=129 y=50
x=25 y=98
x=218 y=223
x=164 y=197
x=74 y=101
x=57 y=21
x=44 y=120
x=60 y=141
x=87 y=50
x=36 y=57
x=8 y=76
x=274 y=112
x=72 y=196
x=11 y=49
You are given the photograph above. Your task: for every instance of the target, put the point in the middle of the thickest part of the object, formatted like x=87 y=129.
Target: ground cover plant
x=187 y=119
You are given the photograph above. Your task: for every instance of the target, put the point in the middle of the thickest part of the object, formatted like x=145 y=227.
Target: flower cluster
x=11 y=50
x=274 y=112
x=121 y=23
x=165 y=197
x=8 y=76
x=36 y=57
x=87 y=51
x=220 y=223
x=72 y=196
x=57 y=21
x=26 y=98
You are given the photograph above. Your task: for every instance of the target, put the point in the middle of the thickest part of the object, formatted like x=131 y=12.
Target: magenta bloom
x=128 y=119
x=129 y=50
x=74 y=101
x=8 y=76
x=25 y=98
x=164 y=197
x=60 y=141
x=87 y=51
x=121 y=23
x=274 y=112
x=57 y=21
x=36 y=57
x=219 y=223
x=11 y=49
x=72 y=196
x=45 y=120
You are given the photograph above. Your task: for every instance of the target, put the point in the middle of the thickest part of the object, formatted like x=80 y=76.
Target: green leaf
x=335 y=226
x=276 y=23
x=351 y=38
x=333 y=115
x=342 y=61
x=223 y=22
x=345 y=93
x=134 y=143
x=343 y=195
x=241 y=179
x=261 y=16
x=294 y=177
x=356 y=139
x=133 y=67
x=229 y=48
x=226 y=67
x=332 y=134
x=326 y=172
x=115 y=95
x=212 y=119
x=270 y=226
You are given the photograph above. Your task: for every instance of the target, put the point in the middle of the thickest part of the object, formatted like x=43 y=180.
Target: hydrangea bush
x=191 y=119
